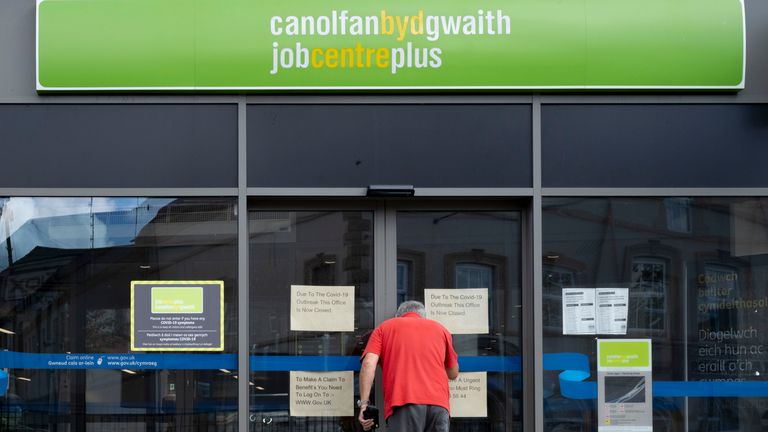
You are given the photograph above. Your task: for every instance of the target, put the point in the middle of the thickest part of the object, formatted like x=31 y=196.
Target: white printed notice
x=469 y=395
x=595 y=311
x=461 y=311
x=322 y=308
x=578 y=311
x=612 y=310
x=322 y=394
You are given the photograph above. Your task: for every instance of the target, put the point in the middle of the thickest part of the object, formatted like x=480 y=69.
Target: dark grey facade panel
x=644 y=146
x=118 y=146
x=420 y=145
x=756 y=17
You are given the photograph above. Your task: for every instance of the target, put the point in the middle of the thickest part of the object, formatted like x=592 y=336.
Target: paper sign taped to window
x=322 y=394
x=460 y=310
x=469 y=395
x=322 y=308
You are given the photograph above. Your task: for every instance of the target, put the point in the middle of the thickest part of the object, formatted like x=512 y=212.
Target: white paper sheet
x=322 y=308
x=612 y=310
x=322 y=394
x=469 y=395
x=460 y=310
x=578 y=311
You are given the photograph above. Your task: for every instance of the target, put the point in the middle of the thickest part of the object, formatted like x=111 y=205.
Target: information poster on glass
x=578 y=311
x=322 y=394
x=461 y=311
x=624 y=384
x=322 y=308
x=177 y=315
x=611 y=310
x=469 y=395
x=595 y=311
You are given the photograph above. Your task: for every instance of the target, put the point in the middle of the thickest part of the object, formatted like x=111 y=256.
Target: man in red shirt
x=417 y=360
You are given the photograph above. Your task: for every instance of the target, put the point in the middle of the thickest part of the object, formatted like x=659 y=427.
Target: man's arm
x=367 y=375
x=450 y=357
x=452 y=372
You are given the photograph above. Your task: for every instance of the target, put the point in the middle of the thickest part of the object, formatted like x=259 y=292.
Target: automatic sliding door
x=307 y=264
x=465 y=267
x=311 y=303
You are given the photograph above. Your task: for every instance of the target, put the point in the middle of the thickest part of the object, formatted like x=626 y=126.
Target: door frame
x=385 y=260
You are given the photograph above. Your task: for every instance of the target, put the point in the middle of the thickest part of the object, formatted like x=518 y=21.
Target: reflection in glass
x=648 y=294
x=404 y=279
x=472 y=249
x=65 y=270
x=472 y=275
x=555 y=279
x=696 y=272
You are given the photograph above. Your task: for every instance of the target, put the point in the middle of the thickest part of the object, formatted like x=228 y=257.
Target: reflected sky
x=71 y=223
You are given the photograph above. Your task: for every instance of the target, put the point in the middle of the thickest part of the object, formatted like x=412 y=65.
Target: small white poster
x=612 y=310
x=322 y=394
x=460 y=310
x=595 y=311
x=322 y=308
x=469 y=395
x=578 y=311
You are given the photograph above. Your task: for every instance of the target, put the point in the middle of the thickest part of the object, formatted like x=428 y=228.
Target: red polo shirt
x=414 y=353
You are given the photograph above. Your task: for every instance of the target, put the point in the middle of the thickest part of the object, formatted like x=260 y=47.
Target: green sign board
x=332 y=45
x=626 y=353
x=177 y=300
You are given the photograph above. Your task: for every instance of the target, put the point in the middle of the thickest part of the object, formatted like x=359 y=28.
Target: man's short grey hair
x=411 y=306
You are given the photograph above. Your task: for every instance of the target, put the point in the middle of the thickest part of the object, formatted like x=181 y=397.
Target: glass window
x=471 y=275
x=66 y=267
x=314 y=248
x=697 y=274
x=474 y=249
x=678 y=214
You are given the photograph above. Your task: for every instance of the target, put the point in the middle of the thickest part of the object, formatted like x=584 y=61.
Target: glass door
x=323 y=275
x=311 y=309
x=465 y=265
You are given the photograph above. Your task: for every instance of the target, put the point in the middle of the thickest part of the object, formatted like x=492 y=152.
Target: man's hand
x=365 y=423
x=453 y=372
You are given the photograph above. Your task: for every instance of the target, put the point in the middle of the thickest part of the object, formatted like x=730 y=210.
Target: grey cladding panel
x=360 y=145
x=656 y=146
x=118 y=146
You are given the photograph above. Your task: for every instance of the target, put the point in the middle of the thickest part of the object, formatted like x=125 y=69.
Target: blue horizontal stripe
x=17 y=360
x=710 y=389
x=489 y=364
x=573 y=379
x=336 y=363
x=304 y=363
x=574 y=367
